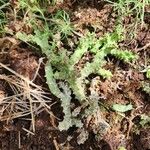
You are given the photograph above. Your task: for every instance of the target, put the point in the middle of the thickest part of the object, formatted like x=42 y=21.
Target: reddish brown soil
x=124 y=87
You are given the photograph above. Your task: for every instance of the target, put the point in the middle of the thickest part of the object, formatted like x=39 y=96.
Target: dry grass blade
x=27 y=98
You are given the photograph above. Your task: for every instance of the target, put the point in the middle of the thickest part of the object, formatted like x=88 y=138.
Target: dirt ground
x=125 y=86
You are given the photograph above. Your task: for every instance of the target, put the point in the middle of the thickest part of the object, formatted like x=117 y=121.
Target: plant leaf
x=122 y=108
x=148 y=73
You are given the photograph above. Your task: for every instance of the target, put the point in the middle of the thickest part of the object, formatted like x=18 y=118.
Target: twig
x=28 y=131
x=56 y=144
x=143 y=48
x=19 y=140
x=20 y=76
x=3 y=6
x=78 y=34
x=38 y=68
